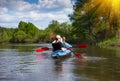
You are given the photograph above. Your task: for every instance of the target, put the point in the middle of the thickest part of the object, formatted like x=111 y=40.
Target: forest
x=91 y=22
x=29 y=33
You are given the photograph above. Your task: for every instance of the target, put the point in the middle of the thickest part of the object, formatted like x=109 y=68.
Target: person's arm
x=68 y=45
x=54 y=41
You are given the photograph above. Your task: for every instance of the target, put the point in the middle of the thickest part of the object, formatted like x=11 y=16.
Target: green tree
x=92 y=22
x=83 y=20
x=4 y=37
x=19 y=36
x=32 y=32
x=10 y=33
x=63 y=29
x=22 y=25
x=53 y=26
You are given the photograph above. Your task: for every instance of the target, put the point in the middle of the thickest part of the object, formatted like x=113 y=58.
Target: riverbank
x=113 y=42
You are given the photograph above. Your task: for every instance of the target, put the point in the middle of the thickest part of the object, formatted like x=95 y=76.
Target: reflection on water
x=21 y=63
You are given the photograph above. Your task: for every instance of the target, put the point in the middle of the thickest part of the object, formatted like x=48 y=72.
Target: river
x=20 y=62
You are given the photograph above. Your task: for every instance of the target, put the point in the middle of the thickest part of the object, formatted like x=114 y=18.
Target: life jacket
x=57 y=46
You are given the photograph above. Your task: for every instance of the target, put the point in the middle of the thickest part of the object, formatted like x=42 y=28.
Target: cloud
x=40 y=14
x=3 y=10
x=53 y=5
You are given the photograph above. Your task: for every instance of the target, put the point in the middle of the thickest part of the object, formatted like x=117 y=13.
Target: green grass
x=110 y=42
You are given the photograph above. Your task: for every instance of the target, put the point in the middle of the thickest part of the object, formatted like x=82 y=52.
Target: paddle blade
x=82 y=46
x=39 y=50
x=78 y=55
x=42 y=49
x=45 y=48
x=52 y=35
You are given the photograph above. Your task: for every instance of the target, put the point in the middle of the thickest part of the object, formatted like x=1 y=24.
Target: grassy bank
x=110 y=42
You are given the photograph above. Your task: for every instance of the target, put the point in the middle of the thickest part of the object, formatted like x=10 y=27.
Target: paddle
x=42 y=49
x=78 y=55
x=82 y=46
x=79 y=46
x=52 y=35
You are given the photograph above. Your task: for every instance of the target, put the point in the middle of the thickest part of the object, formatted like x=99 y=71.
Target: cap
x=58 y=36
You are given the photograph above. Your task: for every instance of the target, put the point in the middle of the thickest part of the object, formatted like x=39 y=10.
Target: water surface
x=20 y=62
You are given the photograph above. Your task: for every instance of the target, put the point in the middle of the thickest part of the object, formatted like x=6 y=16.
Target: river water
x=20 y=62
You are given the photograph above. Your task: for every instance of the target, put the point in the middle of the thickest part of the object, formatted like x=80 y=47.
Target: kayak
x=60 y=53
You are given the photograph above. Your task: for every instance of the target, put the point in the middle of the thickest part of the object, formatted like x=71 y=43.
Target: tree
x=22 y=25
x=4 y=37
x=54 y=25
x=92 y=19
x=82 y=20
x=19 y=36
x=30 y=30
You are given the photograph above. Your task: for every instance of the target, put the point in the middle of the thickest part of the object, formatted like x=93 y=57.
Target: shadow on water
x=21 y=63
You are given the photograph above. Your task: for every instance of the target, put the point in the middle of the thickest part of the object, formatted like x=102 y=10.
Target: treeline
x=94 y=21
x=29 y=33
x=89 y=24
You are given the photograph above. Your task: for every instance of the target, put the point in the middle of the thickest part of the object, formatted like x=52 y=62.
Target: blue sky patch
x=32 y=1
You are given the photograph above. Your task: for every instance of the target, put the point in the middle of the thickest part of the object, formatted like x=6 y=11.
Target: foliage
x=4 y=37
x=93 y=23
x=109 y=42
x=83 y=21
x=19 y=36
x=64 y=29
x=5 y=34
x=30 y=30
x=29 y=33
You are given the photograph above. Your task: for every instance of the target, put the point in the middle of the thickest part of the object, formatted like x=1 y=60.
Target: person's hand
x=63 y=49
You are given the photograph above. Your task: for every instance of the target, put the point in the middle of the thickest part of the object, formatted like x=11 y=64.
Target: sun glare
x=109 y=7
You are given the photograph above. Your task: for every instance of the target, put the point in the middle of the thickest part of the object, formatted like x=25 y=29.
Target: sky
x=38 y=12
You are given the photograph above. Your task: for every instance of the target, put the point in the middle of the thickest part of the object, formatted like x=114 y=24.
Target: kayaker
x=57 y=44
x=67 y=45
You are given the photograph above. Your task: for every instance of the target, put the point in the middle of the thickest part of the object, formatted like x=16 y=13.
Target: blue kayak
x=60 y=53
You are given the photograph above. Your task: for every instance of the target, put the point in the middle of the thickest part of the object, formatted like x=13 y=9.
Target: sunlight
x=111 y=8
x=114 y=5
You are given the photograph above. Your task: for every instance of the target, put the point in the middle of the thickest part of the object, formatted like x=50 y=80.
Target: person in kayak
x=67 y=45
x=57 y=44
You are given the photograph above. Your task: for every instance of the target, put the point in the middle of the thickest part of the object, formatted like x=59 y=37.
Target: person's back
x=57 y=46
